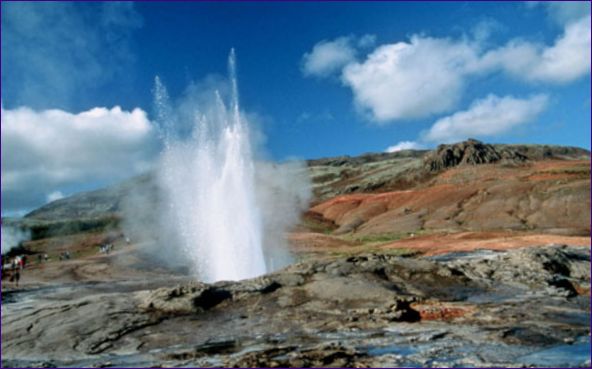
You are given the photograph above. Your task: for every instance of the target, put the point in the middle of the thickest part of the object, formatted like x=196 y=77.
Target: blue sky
x=322 y=79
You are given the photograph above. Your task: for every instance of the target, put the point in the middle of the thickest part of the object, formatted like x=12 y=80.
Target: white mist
x=209 y=190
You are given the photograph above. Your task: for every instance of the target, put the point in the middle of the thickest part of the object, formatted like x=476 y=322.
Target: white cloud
x=490 y=116
x=55 y=196
x=410 y=79
x=426 y=76
x=328 y=57
x=405 y=145
x=46 y=151
x=566 y=60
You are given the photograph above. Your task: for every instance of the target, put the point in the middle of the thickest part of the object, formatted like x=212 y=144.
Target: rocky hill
x=410 y=168
x=465 y=186
x=469 y=186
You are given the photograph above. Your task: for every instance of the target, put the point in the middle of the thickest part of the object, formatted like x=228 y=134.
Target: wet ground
x=525 y=307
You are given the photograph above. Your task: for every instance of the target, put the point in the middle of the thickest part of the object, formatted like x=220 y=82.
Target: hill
x=468 y=186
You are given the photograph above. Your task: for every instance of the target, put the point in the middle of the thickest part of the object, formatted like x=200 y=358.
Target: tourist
x=17 y=276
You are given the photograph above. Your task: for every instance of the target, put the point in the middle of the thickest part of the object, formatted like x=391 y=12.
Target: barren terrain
x=469 y=255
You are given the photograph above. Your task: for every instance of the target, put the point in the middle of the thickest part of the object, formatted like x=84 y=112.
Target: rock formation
x=365 y=310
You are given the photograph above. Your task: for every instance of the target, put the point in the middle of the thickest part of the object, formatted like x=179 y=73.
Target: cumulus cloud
x=328 y=57
x=54 y=52
x=45 y=151
x=405 y=145
x=410 y=79
x=426 y=76
x=566 y=60
x=486 y=117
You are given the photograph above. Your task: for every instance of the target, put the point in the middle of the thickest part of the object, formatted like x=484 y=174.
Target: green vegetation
x=317 y=225
x=378 y=239
x=316 y=255
x=583 y=170
x=73 y=227
x=402 y=252
x=41 y=229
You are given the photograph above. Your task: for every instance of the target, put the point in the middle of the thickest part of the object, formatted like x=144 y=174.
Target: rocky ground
x=453 y=257
x=523 y=307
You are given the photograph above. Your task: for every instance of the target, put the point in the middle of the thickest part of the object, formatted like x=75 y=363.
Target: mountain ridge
x=331 y=177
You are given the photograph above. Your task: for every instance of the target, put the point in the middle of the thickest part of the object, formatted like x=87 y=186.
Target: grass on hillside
x=343 y=253
x=380 y=238
x=317 y=225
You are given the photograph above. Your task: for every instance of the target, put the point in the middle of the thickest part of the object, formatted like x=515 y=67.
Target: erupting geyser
x=209 y=187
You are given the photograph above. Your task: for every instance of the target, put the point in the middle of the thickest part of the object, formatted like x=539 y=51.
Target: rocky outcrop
x=470 y=152
x=366 y=310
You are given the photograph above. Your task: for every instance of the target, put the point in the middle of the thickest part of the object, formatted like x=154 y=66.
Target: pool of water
x=576 y=354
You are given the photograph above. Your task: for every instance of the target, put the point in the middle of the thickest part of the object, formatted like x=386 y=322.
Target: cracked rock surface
x=523 y=307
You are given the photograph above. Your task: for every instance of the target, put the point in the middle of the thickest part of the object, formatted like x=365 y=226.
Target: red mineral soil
x=464 y=208
x=437 y=310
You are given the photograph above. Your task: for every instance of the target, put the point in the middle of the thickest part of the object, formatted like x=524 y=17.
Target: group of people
x=106 y=248
x=15 y=267
x=42 y=258
x=65 y=255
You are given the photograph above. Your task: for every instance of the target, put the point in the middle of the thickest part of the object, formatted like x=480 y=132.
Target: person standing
x=17 y=276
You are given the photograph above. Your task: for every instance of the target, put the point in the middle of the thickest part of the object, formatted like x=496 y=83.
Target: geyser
x=208 y=180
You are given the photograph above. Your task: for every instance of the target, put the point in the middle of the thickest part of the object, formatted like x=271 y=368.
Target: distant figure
x=16 y=270
x=39 y=258
x=127 y=240
x=17 y=276
x=46 y=257
x=24 y=261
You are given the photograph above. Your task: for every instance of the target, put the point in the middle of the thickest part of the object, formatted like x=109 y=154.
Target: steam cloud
x=12 y=237
x=212 y=204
